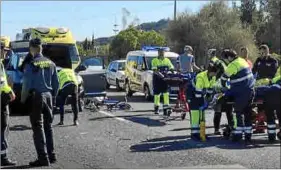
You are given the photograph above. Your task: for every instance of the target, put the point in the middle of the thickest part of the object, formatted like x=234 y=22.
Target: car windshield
x=149 y=59
x=92 y=62
x=121 y=66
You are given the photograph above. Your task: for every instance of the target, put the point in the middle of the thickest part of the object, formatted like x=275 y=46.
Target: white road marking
x=111 y=115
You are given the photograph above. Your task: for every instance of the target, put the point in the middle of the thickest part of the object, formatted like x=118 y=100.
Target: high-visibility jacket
x=4 y=87
x=277 y=78
x=66 y=75
x=203 y=85
x=240 y=74
x=162 y=64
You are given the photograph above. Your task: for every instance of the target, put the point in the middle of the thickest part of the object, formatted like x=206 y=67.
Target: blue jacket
x=40 y=75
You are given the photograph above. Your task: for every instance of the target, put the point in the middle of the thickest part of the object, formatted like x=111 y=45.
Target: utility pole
x=175 y=10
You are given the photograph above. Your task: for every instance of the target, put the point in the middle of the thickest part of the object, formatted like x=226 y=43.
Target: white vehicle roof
x=153 y=54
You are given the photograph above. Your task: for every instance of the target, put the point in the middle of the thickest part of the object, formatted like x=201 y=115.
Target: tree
x=132 y=39
x=215 y=26
x=248 y=8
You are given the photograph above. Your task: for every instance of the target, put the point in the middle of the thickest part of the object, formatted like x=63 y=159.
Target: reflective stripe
x=237 y=132
x=271 y=131
x=194 y=126
x=195 y=131
x=239 y=128
x=209 y=91
x=248 y=131
x=3 y=151
x=271 y=126
x=198 y=95
x=166 y=106
x=199 y=90
x=277 y=85
x=154 y=68
x=241 y=79
x=67 y=84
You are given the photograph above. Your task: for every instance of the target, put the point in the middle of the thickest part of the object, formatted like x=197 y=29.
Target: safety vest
x=4 y=87
x=203 y=85
x=161 y=64
x=66 y=75
x=240 y=75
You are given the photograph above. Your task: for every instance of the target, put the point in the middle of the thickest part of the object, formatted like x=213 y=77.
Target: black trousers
x=222 y=106
x=41 y=118
x=5 y=98
x=69 y=90
x=159 y=85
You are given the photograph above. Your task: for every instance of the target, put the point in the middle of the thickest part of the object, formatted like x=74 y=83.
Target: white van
x=139 y=74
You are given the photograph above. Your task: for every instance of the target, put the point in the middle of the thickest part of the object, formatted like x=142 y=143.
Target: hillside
x=148 y=26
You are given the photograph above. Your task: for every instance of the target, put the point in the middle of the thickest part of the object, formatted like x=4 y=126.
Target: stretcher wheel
x=169 y=112
x=183 y=115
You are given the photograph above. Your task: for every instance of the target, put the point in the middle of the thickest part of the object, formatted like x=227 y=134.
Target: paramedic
x=221 y=105
x=68 y=85
x=7 y=95
x=40 y=85
x=161 y=65
x=203 y=89
x=241 y=89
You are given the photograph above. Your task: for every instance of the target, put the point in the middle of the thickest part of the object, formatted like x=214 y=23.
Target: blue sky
x=85 y=17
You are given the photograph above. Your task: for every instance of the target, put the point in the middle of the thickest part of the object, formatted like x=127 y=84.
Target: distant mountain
x=148 y=26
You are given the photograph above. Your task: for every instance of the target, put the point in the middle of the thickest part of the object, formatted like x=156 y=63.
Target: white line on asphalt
x=111 y=115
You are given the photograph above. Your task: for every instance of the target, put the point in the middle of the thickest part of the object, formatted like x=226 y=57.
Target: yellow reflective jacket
x=66 y=75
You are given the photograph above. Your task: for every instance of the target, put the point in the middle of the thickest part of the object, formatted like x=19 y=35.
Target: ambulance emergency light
x=154 y=48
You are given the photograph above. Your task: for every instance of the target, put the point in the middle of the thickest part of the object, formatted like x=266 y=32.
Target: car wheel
x=118 y=85
x=129 y=93
x=147 y=95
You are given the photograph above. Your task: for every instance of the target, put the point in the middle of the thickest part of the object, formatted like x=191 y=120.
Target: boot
x=271 y=137
x=217 y=132
x=38 y=163
x=195 y=137
x=52 y=158
x=75 y=123
x=7 y=162
x=156 y=110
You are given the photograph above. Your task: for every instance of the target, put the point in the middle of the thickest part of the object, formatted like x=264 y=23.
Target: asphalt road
x=138 y=139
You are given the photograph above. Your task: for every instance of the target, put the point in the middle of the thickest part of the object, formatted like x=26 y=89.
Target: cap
x=35 y=42
x=228 y=53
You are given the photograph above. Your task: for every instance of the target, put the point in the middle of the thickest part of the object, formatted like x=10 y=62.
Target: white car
x=115 y=74
x=139 y=73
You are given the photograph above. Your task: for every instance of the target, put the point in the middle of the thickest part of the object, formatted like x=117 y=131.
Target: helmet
x=212 y=52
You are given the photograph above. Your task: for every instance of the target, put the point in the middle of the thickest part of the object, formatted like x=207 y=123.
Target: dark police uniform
x=5 y=91
x=40 y=84
x=68 y=86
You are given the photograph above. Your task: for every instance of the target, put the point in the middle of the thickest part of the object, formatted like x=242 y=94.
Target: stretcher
x=180 y=80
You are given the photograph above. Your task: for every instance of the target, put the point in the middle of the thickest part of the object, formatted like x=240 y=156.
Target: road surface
x=138 y=139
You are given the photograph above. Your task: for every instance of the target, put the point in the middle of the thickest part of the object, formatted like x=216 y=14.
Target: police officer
x=7 y=95
x=68 y=86
x=160 y=65
x=40 y=84
x=203 y=89
x=241 y=88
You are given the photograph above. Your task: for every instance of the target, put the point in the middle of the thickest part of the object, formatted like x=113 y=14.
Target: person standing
x=40 y=85
x=7 y=95
x=242 y=90
x=245 y=54
x=186 y=62
x=160 y=65
x=68 y=86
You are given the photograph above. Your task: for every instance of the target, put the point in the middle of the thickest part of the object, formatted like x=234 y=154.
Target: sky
x=84 y=18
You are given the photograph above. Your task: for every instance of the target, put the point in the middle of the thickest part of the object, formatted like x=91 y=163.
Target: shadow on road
x=19 y=128
x=176 y=143
x=137 y=119
x=17 y=167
